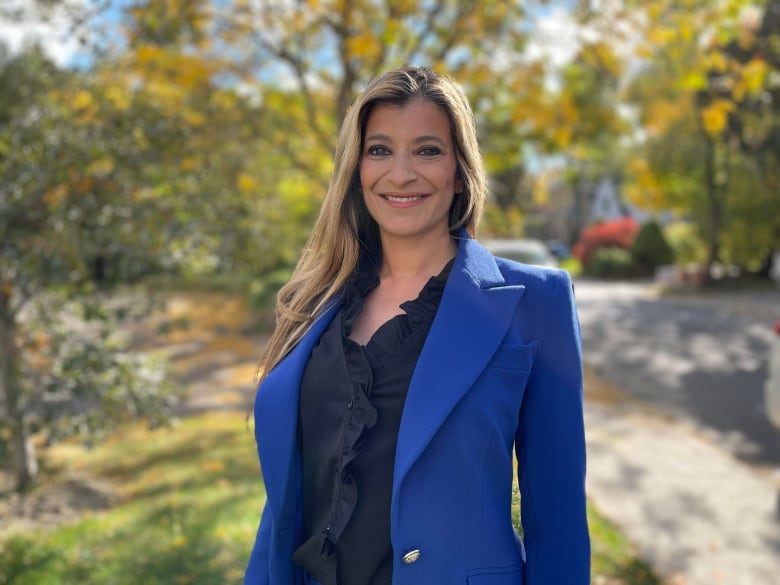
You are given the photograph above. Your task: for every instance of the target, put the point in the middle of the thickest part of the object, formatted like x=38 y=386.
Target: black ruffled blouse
x=351 y=402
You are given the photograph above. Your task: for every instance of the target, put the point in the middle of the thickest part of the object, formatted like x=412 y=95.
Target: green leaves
x=710 y=114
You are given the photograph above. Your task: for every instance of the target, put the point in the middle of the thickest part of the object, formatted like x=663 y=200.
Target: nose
x=402 y=170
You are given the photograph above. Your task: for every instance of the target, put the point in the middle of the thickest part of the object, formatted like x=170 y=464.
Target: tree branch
x=428 y=28
x=308 y=99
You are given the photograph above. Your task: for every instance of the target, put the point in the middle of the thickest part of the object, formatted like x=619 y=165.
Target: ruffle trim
x=361 y=413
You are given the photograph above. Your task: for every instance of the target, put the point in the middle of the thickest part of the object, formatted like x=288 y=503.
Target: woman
x=406 y=364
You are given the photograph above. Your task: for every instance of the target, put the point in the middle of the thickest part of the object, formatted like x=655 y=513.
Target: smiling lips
x=405 y=200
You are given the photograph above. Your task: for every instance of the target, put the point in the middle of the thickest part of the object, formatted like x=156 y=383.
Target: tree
x=58 y=213
x=148 y=161
x=588 y=126
x=708 y=104
x=303 y=62
x=315 y=55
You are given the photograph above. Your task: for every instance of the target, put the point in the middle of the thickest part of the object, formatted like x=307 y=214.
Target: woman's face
x=408 y=170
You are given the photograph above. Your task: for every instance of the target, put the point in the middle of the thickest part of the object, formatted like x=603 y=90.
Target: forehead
x=418 y=117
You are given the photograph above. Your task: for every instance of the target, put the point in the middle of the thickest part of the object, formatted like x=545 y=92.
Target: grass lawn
x=188 y=501
x=186 y=504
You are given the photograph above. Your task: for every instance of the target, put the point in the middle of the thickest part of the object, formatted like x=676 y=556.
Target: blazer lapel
x=472 y=319
x=276 y=419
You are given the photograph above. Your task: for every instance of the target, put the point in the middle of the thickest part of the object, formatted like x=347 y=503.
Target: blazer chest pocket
x=519 y=358
x=507 y=576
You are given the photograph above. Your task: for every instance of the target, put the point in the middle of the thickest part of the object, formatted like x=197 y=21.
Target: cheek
x=365 y=179
x=365 y=188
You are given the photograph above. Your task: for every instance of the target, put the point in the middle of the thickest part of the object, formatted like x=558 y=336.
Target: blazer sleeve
x=257 y=571
x=550 y=448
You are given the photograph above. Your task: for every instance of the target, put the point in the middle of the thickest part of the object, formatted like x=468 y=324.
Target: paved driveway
x=703 y=359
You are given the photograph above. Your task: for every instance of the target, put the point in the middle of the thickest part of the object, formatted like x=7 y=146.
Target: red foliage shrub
x=618 y=233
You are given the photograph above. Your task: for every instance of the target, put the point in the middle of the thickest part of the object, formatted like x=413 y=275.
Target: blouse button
x=411 y=556
x=350 y=404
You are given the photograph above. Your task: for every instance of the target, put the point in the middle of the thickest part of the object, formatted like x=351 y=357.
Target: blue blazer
x=501 y=369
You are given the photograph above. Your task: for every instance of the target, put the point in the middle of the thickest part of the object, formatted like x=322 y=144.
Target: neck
x=414 y=258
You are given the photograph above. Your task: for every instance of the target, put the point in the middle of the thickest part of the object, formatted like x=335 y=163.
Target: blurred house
x=605 y=203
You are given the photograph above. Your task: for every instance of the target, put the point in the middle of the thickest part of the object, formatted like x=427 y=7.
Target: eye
x=429 y=151
x=377 y=150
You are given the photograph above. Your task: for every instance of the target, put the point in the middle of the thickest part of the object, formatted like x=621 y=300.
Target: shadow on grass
x=172 y=543
x=21 y=558
x=183 y=447
x=189 y=545
x=634 y=572
x=192 y=497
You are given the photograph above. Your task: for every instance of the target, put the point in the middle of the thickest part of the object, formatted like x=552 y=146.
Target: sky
x=59 y=46
x=554 y=38
x=50 y=27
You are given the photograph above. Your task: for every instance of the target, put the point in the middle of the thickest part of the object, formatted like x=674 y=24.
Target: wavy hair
x=344 y=233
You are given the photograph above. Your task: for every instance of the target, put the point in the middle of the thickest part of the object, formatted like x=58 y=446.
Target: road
x=703 y=359
x=680 y=453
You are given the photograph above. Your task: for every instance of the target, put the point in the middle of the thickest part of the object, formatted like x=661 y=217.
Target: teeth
x=403 y=199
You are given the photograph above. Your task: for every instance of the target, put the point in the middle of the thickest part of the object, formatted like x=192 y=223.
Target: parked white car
x=772 y=384
x=527 y=251
x=774 y=269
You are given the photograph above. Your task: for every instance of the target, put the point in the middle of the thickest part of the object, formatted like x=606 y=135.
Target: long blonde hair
x=344 y=232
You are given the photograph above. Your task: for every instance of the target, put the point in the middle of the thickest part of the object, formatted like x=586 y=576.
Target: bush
x=617 y=233
x=611 y=262
x=651 y=249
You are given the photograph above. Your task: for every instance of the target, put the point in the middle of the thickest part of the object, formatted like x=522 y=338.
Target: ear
x=458 y=183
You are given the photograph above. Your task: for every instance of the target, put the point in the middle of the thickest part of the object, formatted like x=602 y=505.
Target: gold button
x=411 y=556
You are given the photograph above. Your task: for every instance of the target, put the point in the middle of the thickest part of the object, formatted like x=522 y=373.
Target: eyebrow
x=418 y=140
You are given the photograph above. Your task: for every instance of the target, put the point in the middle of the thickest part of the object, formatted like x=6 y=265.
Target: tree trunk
x=715 y=207
x=23 y=461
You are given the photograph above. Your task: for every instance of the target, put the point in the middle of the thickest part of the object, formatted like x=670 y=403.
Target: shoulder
x=489 y=270
x=533 y=277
